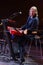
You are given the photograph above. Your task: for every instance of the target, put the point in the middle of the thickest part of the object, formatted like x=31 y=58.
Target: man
x=32 y=21
x=31 y=24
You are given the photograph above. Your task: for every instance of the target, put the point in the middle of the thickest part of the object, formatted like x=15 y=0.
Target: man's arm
x=34 y=25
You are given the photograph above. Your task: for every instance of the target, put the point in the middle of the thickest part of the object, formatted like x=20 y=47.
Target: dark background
x=8 y=7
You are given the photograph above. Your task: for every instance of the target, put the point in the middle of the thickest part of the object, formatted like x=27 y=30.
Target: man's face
x=32 y=12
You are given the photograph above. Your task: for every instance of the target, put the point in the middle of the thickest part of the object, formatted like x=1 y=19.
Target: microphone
x=17 y=13
x=20 y=12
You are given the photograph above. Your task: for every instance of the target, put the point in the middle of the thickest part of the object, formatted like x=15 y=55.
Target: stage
x=5 y=60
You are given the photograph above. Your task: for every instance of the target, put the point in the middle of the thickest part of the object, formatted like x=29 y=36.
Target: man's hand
x=20 y=30
x=25 y=31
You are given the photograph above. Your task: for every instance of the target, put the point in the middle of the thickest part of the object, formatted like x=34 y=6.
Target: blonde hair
x=35 y=9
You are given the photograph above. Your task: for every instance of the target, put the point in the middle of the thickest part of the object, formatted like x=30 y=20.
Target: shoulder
x=36 y=18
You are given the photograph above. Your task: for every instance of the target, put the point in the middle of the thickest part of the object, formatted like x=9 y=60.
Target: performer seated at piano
x=31 y=24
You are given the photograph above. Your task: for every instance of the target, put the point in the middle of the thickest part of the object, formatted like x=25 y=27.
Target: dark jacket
x=31 y=24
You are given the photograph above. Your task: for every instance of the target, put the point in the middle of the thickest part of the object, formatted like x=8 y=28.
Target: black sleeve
x=34 y=25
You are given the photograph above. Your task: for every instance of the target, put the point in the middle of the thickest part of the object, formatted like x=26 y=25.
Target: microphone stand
x=4 y=26
x=7 y=36
x=15 y=14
